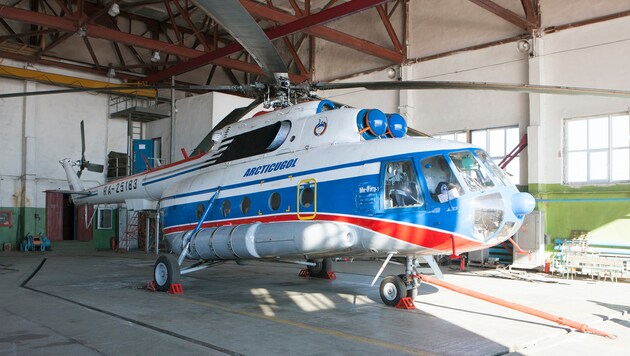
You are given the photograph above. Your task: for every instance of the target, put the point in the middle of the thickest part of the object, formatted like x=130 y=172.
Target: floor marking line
x=297 y=324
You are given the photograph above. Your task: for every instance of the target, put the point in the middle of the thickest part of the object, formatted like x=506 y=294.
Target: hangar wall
x=589 y=56
x=36 y=133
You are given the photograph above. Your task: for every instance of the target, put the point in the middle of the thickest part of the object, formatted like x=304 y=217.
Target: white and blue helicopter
x=314 y=180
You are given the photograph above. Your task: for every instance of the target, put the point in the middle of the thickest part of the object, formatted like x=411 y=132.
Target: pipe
x=518 y=307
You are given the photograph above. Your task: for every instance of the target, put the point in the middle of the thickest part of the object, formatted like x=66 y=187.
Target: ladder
x=131 y=232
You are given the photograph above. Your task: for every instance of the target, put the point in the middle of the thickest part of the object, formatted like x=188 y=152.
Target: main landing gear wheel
x=392 y=290
x=166 y=272
x=321 y=268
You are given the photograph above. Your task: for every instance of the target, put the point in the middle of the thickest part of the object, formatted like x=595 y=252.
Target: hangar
x=125 y=93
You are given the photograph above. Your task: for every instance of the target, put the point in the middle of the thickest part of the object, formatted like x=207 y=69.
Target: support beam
x=97 y=31
x=328 y=34
x=292 y=24
x=505 y=14
x=389 y=28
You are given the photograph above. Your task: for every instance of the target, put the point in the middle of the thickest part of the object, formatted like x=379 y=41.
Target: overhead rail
x=73 y=82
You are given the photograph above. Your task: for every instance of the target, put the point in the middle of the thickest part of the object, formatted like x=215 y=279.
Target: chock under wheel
x=175 y=289
x=406 y=303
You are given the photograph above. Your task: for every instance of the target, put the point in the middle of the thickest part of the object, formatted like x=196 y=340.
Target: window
x=246 y=204
x=104 y=218
x=597 y=149
x=459 y=136
x=274 y=201
x=401 y=185
x=441 y=181
x=498 y=142
x=226 y=207
x=474 y=176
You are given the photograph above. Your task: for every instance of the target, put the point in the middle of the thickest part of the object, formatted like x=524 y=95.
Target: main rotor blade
x=519 y=88
x=224 y=88
x=232 y=16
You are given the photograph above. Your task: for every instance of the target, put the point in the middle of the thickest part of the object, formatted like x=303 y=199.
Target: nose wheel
x=166 y=272
x=392 y=290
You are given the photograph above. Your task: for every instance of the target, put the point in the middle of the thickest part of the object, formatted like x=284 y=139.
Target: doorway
x=65 y=221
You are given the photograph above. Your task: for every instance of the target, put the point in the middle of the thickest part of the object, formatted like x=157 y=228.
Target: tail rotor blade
x=93 y=167
x=82 y=144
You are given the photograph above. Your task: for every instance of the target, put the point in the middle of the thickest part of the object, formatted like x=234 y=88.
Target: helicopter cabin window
x=226 y=207
x=441 y=181
x=401 y=185
x=246 y=205
x=255 y=142
x=473 y=174
x=274 y=201
x=499 y=174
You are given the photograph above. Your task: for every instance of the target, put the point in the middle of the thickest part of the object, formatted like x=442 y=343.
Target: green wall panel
x=23 y=221
x=603 y=211
x=102 y=237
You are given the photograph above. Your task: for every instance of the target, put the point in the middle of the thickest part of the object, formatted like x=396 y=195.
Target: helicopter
x=313 y=180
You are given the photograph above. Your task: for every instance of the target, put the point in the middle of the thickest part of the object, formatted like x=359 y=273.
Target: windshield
x=498 y=173
x=441 y=180
x=473 y=174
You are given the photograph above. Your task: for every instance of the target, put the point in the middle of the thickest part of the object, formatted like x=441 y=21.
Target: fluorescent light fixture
x=114 y=10
x=155 y=57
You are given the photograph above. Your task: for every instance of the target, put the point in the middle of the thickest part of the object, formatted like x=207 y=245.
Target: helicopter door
x=307 y=199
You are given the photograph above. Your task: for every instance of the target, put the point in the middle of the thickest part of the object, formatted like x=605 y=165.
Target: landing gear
x=412 y=292
x=392 y=290
x=321 y=268
x=166 y=272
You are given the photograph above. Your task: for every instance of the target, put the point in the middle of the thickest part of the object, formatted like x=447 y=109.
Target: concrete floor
x=96 y=304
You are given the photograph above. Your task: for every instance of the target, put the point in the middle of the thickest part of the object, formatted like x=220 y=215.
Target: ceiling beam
x=505 y=14
x=295 y=25
x=97 y=31
x=326 y=33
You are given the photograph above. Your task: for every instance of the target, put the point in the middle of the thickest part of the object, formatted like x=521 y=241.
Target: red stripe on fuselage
x=419 y=235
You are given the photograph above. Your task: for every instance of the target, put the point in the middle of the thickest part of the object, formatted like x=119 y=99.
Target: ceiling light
x=111 y=72
x=391 y=73
x=523 y=46
x=114 y=10
x=155 y=57
x=82 y=31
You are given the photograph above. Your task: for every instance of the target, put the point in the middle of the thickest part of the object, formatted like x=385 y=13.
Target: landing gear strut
x=321 y=268
x=394 y=288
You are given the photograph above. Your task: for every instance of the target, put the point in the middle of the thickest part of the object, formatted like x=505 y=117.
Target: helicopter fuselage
x=313 y=180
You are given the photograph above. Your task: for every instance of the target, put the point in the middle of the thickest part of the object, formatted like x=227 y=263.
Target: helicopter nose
x=523 y=204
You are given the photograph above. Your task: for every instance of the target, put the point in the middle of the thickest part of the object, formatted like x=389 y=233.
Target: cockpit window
x=473 y=174
x=501 y=178
x=401 y=185
x=441 y=181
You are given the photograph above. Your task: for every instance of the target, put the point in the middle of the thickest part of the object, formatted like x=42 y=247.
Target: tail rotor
x=84 y=163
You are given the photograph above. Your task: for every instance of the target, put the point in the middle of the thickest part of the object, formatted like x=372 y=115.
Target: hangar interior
x=576 y=162
x=137 y=76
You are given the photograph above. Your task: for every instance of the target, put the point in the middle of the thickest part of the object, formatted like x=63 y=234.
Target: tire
x=165 y=272
x=392 y=290
x=321 y=268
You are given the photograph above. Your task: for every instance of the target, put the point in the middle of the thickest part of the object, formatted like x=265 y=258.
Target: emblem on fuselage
x=321 y=127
